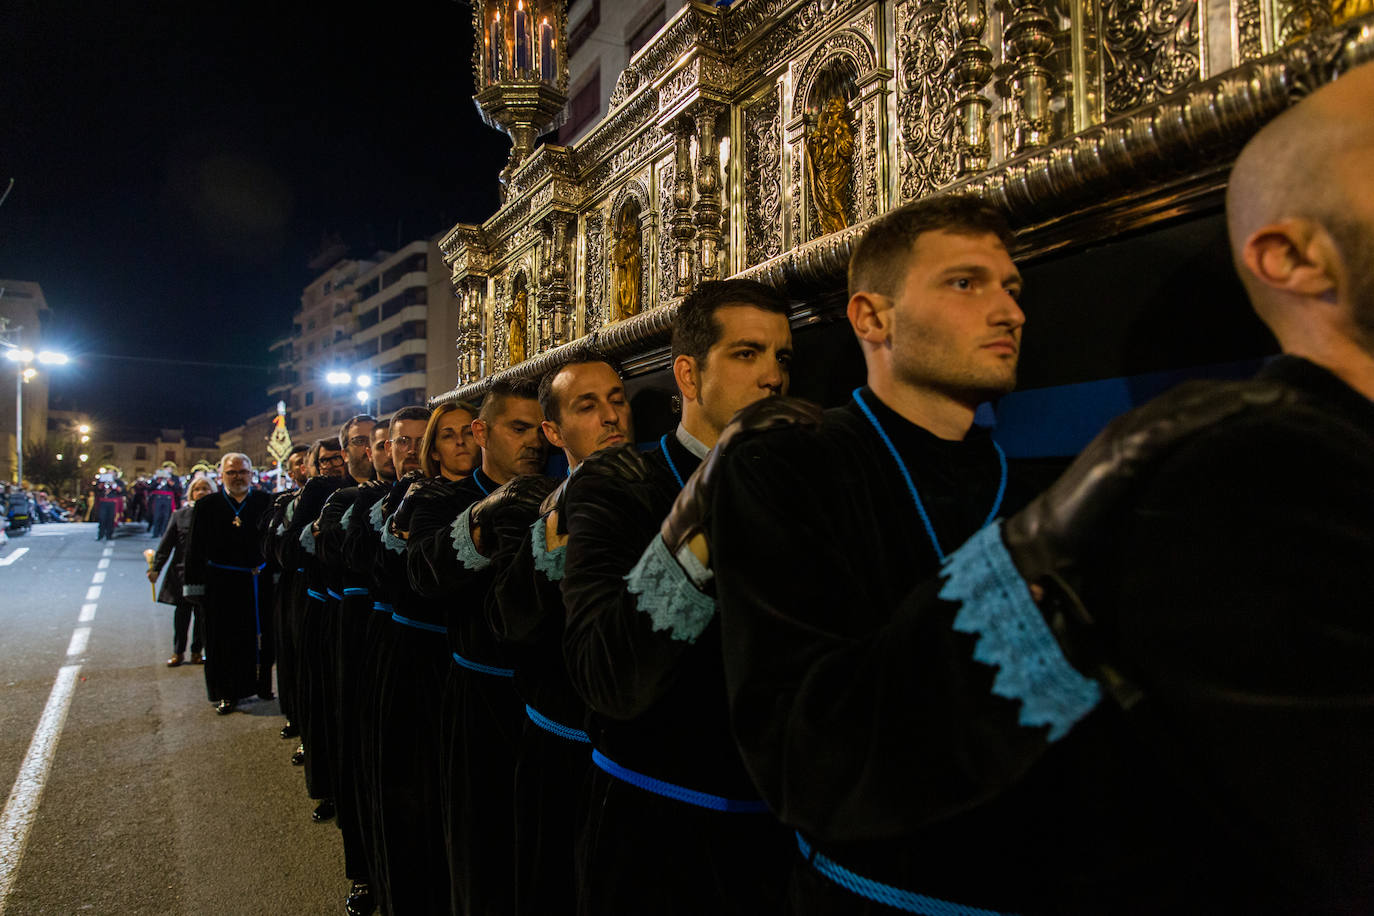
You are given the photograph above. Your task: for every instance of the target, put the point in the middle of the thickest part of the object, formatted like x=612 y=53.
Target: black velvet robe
x=236 y=601
x=658 y=708
x=283 y=588
x=482 y=713
x=552 y=766
x=872 y=725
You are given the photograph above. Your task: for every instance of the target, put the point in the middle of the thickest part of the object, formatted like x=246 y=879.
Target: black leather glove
x=431 y=491
x=392 y=501
x=1062 y=525
x=508 y=511
x=688 y=517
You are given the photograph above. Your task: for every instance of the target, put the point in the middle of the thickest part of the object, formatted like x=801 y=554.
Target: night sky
x=176 y=166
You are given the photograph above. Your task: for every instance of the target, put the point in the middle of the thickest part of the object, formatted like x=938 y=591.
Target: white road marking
x=108 y=552
x=22 y=806
x=103 y=564
x=18 y=552
x=98 y=578
x=93 y=593
x=80 y=636
x=87 y=613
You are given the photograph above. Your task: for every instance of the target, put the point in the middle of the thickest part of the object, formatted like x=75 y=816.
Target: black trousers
x=182 y=618
x=105 y=516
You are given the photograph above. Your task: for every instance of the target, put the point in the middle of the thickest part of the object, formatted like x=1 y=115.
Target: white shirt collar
x=691 y=442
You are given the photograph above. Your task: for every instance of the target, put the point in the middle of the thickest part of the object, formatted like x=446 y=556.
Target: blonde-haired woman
x=448 y=449
x=173 y=547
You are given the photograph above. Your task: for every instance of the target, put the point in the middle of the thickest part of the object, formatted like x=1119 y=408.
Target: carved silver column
x=682 y=230
x=707 y=216
x=1030 y=38
x=970 y=70
x=560 y=289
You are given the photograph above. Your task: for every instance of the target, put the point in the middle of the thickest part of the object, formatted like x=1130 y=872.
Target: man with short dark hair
x=355 y=438
x=298 y=465
x=585 y=410
x=449 y=563
x=330 y=460
x=223 y=566
x=674 y=825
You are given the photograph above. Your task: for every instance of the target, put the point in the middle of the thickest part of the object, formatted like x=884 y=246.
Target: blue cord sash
x=383 y=607
x=354 y=592
x=675 y=792
x=318 y=596
x=554 y=728
x=481 y=668
x=663 y=444
x=333 y=594
x=418 y=624
x=886 y=894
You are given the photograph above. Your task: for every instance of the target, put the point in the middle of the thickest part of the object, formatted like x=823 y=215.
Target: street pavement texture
x=152 y=803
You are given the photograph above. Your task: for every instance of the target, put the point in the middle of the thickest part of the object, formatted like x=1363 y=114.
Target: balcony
x=418 y=312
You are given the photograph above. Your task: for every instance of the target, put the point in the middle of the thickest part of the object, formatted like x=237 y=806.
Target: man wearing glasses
x=356 y=438
x=224 y=563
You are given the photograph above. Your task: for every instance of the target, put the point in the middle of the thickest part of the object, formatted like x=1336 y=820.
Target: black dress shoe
x=298 y=758
x=359 y=901
x=323 y=811
x=289 y=731
x=225 y=707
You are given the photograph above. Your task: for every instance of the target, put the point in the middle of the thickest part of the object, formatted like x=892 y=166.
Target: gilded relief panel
x=594 y=308
x=763 y=177
x=927 y=35
x=1150 y=49
x=665 y=174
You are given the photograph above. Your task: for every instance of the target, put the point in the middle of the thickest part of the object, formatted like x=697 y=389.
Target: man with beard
x=585 y=410
x=298 y=468
x=674 y=825
x=482 y=713
x=355 y=437
x=223 y=565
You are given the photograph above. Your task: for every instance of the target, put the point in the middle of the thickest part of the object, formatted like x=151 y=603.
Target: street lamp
x=22 y=357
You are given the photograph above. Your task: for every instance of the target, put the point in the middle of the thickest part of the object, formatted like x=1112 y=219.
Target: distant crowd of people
x=783 y=659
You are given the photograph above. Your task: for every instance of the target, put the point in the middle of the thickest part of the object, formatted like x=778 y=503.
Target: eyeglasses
x=405 y=442
x=332 y=460
x=360 y=440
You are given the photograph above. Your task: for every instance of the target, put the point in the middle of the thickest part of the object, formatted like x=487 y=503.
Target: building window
x=141 y=453
x=588 y=24
x=646 y=30
x=169 y=455
x=585 y=105
x=309 y=398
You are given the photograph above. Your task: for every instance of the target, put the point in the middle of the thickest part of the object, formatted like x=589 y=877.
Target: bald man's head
x=1303 y=188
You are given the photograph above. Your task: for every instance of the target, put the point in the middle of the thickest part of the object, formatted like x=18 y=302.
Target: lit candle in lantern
x=522 y=37
x=546 y=61
x=494 y=47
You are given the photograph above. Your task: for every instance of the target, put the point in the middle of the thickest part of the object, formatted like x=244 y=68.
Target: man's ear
x=687 y=377
x=1295 y=256
x=551 y=433
x=870 y=317
x=479 y=432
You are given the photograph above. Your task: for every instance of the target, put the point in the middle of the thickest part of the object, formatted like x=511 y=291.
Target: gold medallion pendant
x=237 y=523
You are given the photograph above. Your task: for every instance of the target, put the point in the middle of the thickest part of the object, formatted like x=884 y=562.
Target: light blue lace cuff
x=549 y=562
x=343 y=519
x=192 y=591
x=463 y=546
x=375 y=516
x=1013 y=637
x=667 y=595
x=391 y=541
x=308 y=540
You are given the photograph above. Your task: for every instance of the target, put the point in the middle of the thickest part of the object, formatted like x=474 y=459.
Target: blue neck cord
x=477 y=479
x=663 y=444
x=231 y=503
x=911 y=485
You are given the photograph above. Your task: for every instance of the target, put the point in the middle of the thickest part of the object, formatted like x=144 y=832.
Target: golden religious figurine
x=515 y=316
x=1342 y=11
x=829 y=163
x=627 y=261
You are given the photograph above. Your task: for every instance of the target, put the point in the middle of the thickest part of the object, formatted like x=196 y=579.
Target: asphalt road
x=152 y=803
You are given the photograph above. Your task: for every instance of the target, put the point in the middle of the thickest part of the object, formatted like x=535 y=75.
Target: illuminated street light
x=362 y=397
x=83 y=428
x=338 y=378
x=21 y=358
x=364 y=381
x=85 y=439
x=59 y=456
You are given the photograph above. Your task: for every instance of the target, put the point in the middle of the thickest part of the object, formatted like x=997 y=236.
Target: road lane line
x=87 y=613
x=80 y=636
x=98 y=578
x=93 y=593
x=18 y=816
x=18 y=552
x=103 y=564
x=108 y=552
